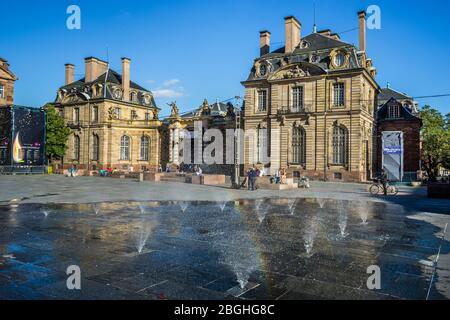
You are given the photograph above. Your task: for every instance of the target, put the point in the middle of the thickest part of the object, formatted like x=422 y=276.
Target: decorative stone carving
x=292 y=72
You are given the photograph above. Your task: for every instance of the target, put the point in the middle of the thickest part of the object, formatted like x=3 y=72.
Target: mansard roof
x=112 y=80
x=316 y=41
x=314 y=50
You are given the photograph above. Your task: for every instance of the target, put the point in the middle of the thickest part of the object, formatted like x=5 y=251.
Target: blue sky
x=195 y=49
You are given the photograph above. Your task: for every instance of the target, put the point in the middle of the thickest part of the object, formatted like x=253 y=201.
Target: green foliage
x=57 y=134
x=436 y=141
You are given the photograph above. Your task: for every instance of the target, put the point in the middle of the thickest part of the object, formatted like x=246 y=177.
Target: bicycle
x=377 y=188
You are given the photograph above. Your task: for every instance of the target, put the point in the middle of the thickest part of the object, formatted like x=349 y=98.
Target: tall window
x=117 y=113
x=297 y=98
x=261 y=145
x=76 y=148
x=76 y=115
x=133 y=114
x=339 y=94
x=125 y=148
x=299 y=146
x=2 y=92
x=147 y=116
x=340 y=145
x=262 y=100
x=394 y=112
x=145 y=145
x=95 y=147
x=95 y=114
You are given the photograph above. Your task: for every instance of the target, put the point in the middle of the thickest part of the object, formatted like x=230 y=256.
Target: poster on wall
x=28 y=137
x=5 y=136
x=393 y=154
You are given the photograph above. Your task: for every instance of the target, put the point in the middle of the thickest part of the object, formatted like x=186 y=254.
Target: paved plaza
x=149 y=240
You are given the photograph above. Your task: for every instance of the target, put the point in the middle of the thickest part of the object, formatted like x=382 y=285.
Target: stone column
x=176 y=146
x=171 y=146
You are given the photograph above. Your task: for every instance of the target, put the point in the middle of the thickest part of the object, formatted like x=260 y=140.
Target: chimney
x=362 y=30
x=70 y=68
x=94 y=68
x=264 y=42
x=293 y=30
x=126 y=78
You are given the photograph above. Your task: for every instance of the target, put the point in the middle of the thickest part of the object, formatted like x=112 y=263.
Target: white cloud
x=171 y=82
x=168 y=93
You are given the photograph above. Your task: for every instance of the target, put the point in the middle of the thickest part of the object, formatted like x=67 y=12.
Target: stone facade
x=317 y=100
x=7 y=79
x=218 y=116
x=114 y=124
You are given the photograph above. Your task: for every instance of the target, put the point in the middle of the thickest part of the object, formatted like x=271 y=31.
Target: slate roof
x=110 y=77
x=317 y=44
x=217 y=109
x=387 y=93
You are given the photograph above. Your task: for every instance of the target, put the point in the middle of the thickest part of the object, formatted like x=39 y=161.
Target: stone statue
x=175 y=111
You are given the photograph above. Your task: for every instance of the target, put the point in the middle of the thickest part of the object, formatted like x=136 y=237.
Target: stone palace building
x=316 y=100
x=114 y=120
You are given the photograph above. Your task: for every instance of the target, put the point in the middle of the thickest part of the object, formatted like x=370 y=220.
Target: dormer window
x=262 y=70
x=314 y=58
x=394 y=112
x=133 y=96
x=339 y=60
x=304 y=44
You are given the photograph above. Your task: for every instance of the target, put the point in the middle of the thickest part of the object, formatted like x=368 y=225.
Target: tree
x=57 y=134
x=436 y=141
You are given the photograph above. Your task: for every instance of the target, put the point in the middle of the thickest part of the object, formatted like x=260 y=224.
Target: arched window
x=125 y=148
x=145 y=146
x=95 y=147
x=298 y=146
x=340 y=145
x=76 y=148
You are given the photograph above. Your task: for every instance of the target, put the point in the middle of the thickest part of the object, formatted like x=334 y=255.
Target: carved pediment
x=290 y=72
x=73 y=97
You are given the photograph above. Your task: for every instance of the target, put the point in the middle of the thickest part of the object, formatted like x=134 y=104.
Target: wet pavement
x=248 y=249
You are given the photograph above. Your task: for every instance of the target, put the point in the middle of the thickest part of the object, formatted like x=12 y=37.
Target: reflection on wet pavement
x=263 y=249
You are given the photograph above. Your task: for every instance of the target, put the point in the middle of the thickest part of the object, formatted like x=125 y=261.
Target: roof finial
x=315 y=26
x=388 y=85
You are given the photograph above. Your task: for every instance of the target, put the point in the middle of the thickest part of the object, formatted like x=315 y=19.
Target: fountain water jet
x=142 y=237
x=292 y=204
x=183 y=205
x=46 y=213
x=363 y=212
x=321 y=202
x=309 y=236
x=96 y=209
x=142 y=209
x=222 y=205
x=342 y=220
